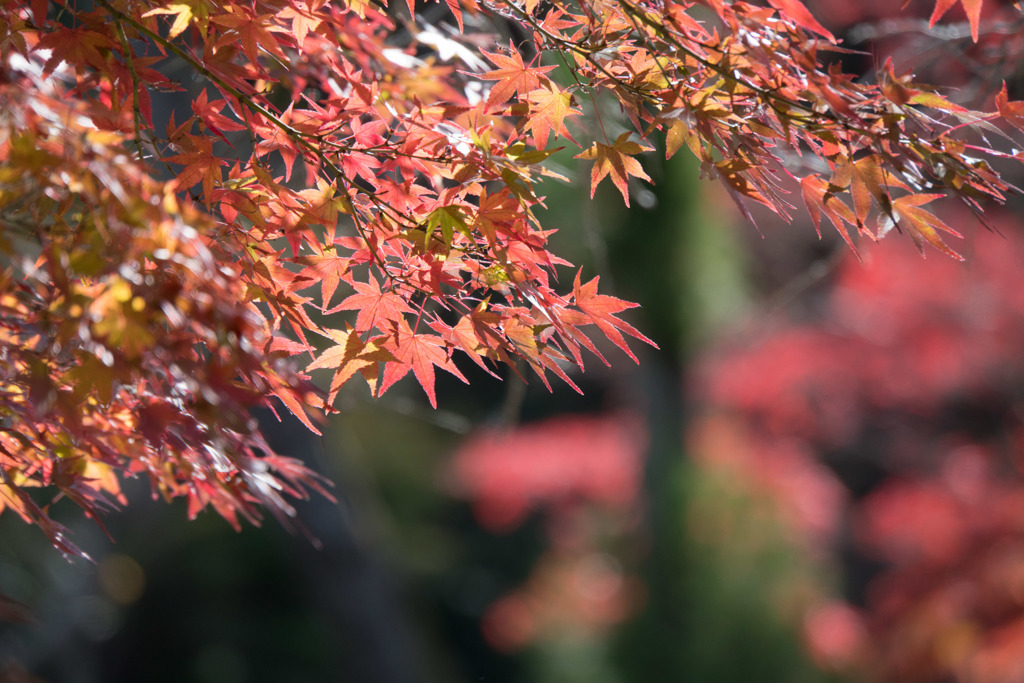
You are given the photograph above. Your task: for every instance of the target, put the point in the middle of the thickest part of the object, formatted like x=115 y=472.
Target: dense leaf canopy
x=355 y=189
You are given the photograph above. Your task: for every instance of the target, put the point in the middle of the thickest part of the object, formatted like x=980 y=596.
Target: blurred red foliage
x=551 y=464
x=578 y=592
x=575 y=468
x=909 y=386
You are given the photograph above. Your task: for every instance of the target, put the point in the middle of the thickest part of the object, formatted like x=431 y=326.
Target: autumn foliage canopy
x=354 y=190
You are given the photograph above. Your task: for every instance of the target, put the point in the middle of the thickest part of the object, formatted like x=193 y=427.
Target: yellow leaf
x=183 y=15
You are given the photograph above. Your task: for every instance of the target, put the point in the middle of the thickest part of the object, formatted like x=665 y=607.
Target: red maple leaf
x=795 y=11
x=376 y=308
x=77 y=47
x=513 y=76
x=252 y=33
x=210 y=114
x=599 y=309
x=971 y=7
x=419 y=353
x=324 y=268
x=201 y=165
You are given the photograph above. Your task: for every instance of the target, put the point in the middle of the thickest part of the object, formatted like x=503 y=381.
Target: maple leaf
x=971 y=7
x=276 y=139
x=615 y=160
x=303 y=19
x=376 y=308
x=209 y=113
x=499 y=212
x=324 y=205
x=599 y=309
x=78 y=47
x=201 y=166
x=182 y=16
x=820 y=199
x=867 y=180
x=513 y=76
x=678 y=133
x=252 y=32
x=360 y=7
x=420 y=353
x=456 y=8
x=541 y=357
x=350 y=354
x=801 y=16
x=441 y=201
x=1012 y=112
x=744 y=179
x=363 y=165
x=450 y=220
x=549 y=106
x=923 y=225
x=298 y=407
x=476 y=334
x=324 y=268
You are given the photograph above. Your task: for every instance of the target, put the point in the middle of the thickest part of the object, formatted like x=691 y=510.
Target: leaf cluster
x=355 y=193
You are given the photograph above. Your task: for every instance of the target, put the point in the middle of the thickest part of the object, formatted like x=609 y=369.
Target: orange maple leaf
x=615 y=160
x=923 y=225
x=820 y=199
x=1012 y=112
x=349 y=355
x=549 y=105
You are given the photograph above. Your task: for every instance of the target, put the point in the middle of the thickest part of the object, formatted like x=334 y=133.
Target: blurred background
x=819 y=476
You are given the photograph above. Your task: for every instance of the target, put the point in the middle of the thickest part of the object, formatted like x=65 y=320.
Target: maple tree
x=164 y=276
